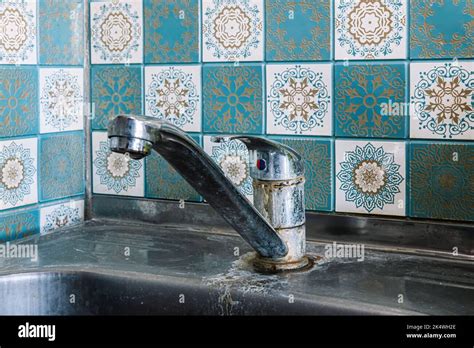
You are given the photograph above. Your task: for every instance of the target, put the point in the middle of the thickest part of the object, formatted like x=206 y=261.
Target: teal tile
x=369 y=100
x=171 y=31
x=115 y=90
x=442 y=180
x=232 y=98
x=61 y=32
x=18 y=224
x=298 y=30
x=441 y=29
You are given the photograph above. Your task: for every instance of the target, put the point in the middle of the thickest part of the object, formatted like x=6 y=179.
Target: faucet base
x=267 y=265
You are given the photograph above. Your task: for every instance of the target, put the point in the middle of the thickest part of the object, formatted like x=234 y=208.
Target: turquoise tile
x=298 y=30
x=318 y=158
x=18 y=224
x=61 y=165
x=232 y=98
x=115 y=90
x=369 y=100
x=18 y=101
x=442 y=180
x=441 y=29
x=61 y=32
x=162 y=180
x=171 y=31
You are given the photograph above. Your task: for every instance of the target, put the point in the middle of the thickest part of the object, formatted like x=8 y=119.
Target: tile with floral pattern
x=18 y=224
x=60 y=215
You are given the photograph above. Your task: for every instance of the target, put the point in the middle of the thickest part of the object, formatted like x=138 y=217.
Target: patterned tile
x=18 y=224
x=116 y=32
x=233 y=158
x=162 y=180
x=299 y=99
x=298 y=30
x=232 y=99
x=442 y=180
x=441 y=28
x=171 y=31
x=18 y=172
x=115 y=173
x=18 y=38
x=173 y=93
x=370 y=177
x=61 y=32
x=370 y=100
x=442 y=100
x=18 y=101
x=232 y=30
x=317 y=154
x=115 y=90
x=61 y=99
x=61 y=166
x=60 y=215
x=370 y=29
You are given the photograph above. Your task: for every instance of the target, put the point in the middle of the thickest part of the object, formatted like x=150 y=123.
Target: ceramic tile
x=18 y=224
x=60 y=215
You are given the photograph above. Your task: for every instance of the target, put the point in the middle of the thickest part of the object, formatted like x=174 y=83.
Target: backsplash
x=41 y=116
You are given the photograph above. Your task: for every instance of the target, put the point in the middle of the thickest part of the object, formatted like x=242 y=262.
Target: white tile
x=61 y=99
x=114 y=173
x=116 y=32
x=232 y=30
x=299 y=99
x=370 y=177
x=60 y=215
x=18 y=172
x=442 y=100
x=173 y=93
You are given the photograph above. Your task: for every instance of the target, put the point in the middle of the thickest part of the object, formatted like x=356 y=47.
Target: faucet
x=274 y=225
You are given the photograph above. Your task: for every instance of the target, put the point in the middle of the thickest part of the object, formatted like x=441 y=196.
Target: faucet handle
x=269 y=160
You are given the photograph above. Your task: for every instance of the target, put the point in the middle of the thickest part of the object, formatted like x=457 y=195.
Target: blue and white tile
x=18 y=172
x=370 y=29
x=116 y=32
x=370 y=177
x=233 y=158
x=18 y=36
x=299 y=99
x=61 y=99
x=232 y=30
x=173 y=93
x=442 y=100
x=60 y=215
x=114 y=173
x=18 y=223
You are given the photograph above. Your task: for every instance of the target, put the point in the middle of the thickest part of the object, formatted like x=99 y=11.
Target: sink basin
x=110 y=267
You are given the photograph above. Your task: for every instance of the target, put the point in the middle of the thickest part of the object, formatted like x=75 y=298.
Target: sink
x=113 y=267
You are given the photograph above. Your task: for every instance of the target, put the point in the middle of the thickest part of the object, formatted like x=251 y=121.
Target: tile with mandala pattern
x=18 y=172
x=317 y=154
x=18 y=224
x=442 y=100
x=233 y=158
x=115 y=90
x=298 y=30
x=441 y=28
x=114 y=173
x=61 y=99
x=171 y=31
x=370 y=29
x=370 y=177
x=233 y=99
x=18 y=36
x=60 y=215
x=173 y=93
x=61 y=165
x=299 y=99
x=18 y=101
x=163 y=181
x=116 y=32
x=232 y=30
x=442 y=180
x=61 y=32
x=370 y=100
